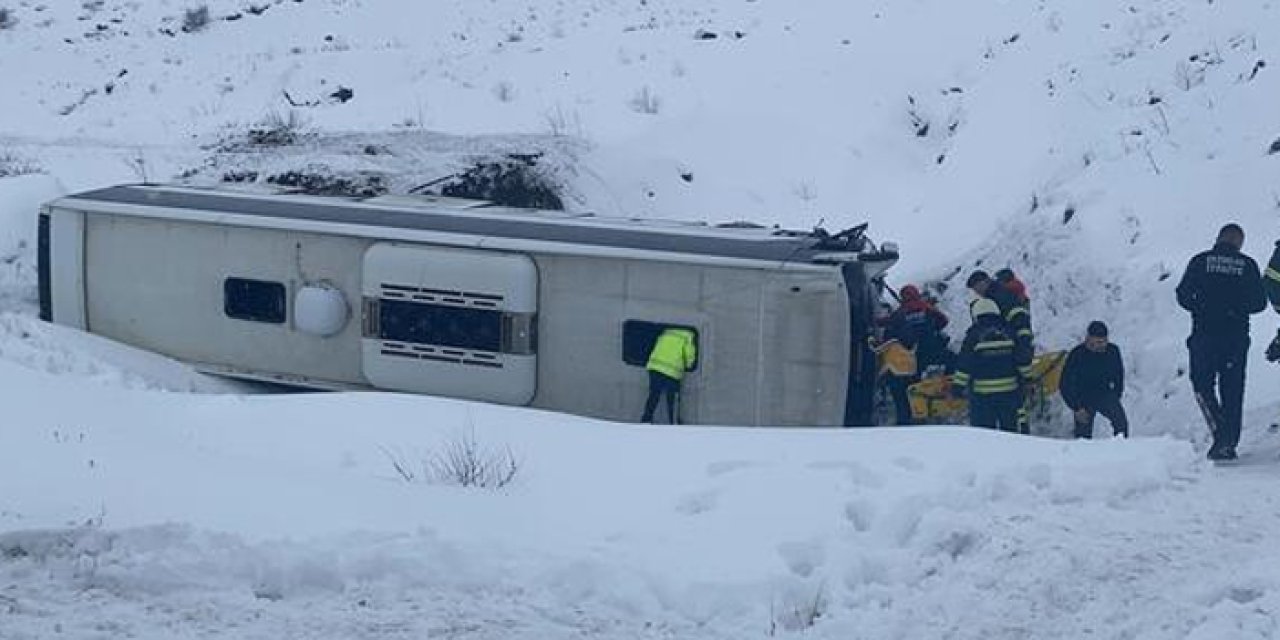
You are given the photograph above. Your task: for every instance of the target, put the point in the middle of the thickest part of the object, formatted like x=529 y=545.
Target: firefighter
x=1271 y=283
x=1093 y=382
x=988 y=371
x=1221 y=288
x=1014 y=285
x=919 y=325
x=1016 y=315
x=673 y=354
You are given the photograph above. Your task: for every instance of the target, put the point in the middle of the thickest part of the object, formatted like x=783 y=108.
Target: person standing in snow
x=988 y=371
x=673 y=354
x=1093 y=383
x=919 y=325
x=1014 y=285
x=1271 y=283
x=1221 y=288
x=1013 y=312
x=897 y=368
x=1017 y=319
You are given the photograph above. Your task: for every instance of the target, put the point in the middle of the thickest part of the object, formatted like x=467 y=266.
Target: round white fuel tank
x=320 y=310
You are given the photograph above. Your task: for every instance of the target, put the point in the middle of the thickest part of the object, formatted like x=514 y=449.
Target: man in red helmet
x=918 y=325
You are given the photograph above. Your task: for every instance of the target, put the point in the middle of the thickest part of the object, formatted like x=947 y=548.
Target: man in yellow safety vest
x=674 y=353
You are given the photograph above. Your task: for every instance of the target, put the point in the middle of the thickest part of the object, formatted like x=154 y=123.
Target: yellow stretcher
x=933 y=403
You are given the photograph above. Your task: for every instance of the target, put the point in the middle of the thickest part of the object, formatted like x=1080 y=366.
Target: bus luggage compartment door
x=450 y=322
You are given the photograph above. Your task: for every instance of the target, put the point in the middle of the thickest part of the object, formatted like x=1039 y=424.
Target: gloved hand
x=1273 y=349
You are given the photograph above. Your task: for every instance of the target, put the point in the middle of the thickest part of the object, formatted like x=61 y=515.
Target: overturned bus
x=464 y=299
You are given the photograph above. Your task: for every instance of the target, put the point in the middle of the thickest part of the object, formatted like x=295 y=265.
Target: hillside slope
x=1091 y=147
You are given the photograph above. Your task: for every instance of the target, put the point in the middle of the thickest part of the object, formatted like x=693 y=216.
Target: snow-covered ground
x=1091 y=146
x=261 y=517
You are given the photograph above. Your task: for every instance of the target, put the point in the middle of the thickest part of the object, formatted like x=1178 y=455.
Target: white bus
x=464 y=299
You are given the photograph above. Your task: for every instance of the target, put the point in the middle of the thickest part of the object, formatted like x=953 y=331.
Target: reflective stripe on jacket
x=1271 y=279
x=988 y=363
x=673 y=354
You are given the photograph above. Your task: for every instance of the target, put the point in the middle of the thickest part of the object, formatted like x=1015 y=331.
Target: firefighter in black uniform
x=1221 y=288
x=1017 y=321
x=988 y=372
x=1271 y=283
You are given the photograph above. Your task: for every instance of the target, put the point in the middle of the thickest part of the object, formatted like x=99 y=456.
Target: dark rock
x=343 y=94
x=514 y=181
x=317 y=184
x=240 y=176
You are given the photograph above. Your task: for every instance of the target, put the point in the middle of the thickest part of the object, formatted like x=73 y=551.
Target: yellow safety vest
x=896 y=359
x=673 y=353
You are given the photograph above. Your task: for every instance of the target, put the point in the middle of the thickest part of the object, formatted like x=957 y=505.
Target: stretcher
x=933 y=403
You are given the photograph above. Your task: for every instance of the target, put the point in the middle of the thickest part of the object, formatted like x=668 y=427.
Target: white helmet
x=982 y=307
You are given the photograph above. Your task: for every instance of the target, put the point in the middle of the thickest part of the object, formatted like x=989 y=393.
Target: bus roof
x=471 y=218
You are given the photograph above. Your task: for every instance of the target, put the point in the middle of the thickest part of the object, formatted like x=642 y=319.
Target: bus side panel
x=65 y=268
x=168 y=286
x=586 y=304
x=731 y=363
x=805 y=347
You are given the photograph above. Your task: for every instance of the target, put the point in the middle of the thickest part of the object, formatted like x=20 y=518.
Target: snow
x=714 y=532
x=1092 y=147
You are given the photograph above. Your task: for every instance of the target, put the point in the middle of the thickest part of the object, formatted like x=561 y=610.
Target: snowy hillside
x=1091 y=146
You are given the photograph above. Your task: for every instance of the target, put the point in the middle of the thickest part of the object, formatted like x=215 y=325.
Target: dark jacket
x=1089 y=377
x=1271 y=279
x=1017 y=320
x=988 y=364
x=917 y=323
x=1221 y=288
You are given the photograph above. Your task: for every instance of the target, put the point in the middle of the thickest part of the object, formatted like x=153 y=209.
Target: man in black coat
x=1221 y=288
x=1093 y=382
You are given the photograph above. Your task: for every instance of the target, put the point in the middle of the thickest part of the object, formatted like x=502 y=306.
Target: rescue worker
x=897 y=369
x=988 y=370
x=1017 y=318
x=673 y=354
x=1221 y=288
x=1271 y=283
x=1093 y=383
x=1013 y=312
x=919 y=325
x=1011 y=283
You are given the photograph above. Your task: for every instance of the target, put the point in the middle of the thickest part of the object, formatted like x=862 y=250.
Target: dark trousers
x=901 y=402
x=662 y=385
x=995 y=410
x=1217 y=376
x=1111 y=409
